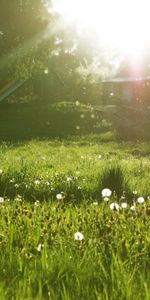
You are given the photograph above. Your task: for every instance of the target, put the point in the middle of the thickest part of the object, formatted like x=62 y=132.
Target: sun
x=121 y=25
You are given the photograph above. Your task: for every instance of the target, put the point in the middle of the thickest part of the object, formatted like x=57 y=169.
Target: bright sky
x=119 y=24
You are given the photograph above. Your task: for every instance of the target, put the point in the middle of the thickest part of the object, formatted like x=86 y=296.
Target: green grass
x=40 y=259
x=88 y=161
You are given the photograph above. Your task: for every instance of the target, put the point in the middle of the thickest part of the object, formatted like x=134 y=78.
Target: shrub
x=114 y=179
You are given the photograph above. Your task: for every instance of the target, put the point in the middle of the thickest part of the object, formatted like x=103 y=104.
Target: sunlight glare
x=121 y=25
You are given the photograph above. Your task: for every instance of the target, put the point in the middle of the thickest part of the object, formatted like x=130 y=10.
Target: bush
x=114 y=179
x=132 y=122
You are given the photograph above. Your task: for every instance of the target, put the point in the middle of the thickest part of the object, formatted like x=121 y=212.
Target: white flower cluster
x=106 y=193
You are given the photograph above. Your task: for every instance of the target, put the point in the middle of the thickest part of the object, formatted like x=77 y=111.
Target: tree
x=21 y=23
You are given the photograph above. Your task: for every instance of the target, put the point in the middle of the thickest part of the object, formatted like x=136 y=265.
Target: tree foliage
x=34 y=44
x=20 y=21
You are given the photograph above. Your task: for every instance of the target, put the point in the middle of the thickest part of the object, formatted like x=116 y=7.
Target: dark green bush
x=114 y=179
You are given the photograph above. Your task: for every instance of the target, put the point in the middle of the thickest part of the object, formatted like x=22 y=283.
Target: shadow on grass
x=22 y=122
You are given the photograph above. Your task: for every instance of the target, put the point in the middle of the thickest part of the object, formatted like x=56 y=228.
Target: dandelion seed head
x=106 y=199
x=99 y=156
x=37 y=182
x=59 y=196
x=78 y=236
x=69 y=179
x=77 y=127
x=77 y=103
x=106 y=192
x=124 y=205
x=18 y=198
x=1 y=199
x=114 y=206
x=134 y=192
x=111 y=94
x=47 y=183
x=95 y=203
x=140 y=200
x=46 y=71
x=78 y=172
x=133 y=207
x=12 y=180
x=82 y=116
x=92 y=116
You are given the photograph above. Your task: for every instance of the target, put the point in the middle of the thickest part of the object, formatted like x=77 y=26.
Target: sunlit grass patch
x=85 y=250
x=78 y=168
x=74 y=219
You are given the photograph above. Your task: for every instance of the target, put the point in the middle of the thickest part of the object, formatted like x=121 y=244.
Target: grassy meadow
x=74 y=216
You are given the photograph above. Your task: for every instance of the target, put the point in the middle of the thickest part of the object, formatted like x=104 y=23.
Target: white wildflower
x=59 y=196
x=1 y=199
x=82 y=116
x=46 y=71
x=134 y=192
x=106 y=199
x=18 y=198
x=12 y=180
x=106 y=193
x=95 y=203
x=99 y=156
x=133 y=207
x=77 y=103
x=78 y=236
x=124 y=205
x=78 y=172
x=39 y=247
x=140 y=200
x=37 y=182
x=77 y=127
x=69 y=179
x=114 y=206
x=111 y=94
